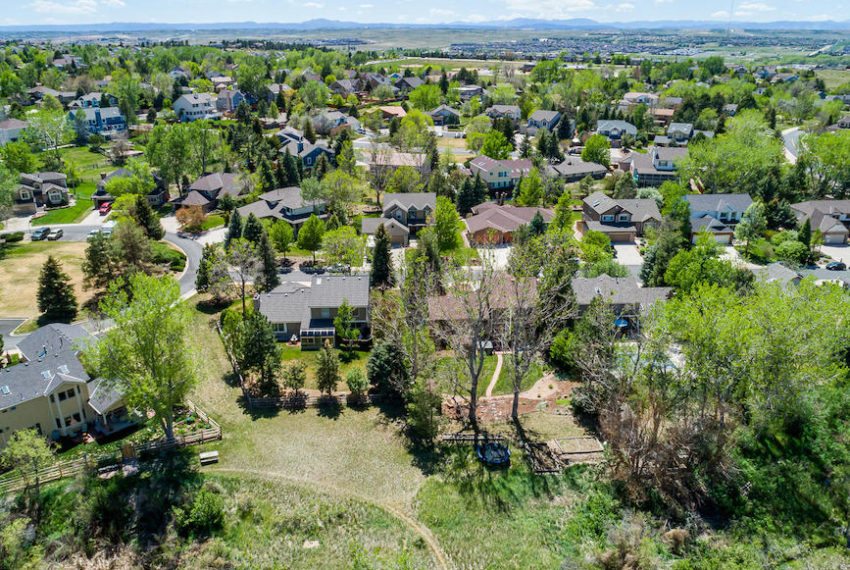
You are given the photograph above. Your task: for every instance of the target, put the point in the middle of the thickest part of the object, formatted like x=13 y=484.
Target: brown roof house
x=207 y=190
x=831 y=217
x=404 y=214
x=40 y=189
x=620 y=220
x=306 y=313
x=628 y=299
x=492 y=224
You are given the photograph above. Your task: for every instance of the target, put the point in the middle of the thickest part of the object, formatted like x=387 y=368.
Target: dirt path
x=412 y=523
x=496 y=373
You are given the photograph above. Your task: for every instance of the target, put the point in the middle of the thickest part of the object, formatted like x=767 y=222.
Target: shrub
x=12 y=237
x=203 y=516
x=163 y=254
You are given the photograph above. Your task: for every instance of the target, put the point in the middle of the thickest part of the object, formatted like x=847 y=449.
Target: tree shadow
x=329 y=407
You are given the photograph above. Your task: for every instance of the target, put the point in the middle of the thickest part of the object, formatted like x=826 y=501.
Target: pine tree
x=332 y=223
x=382 y=274
x=202 y=279
x=147 y=219
x=321 y=167
x=481 y=191
x=291 y=170
x=280 y=175
x=564 y=128
x=267 y=175
x=55 y=292
x=309 y=133
x=253 y=230
x=466 y=197
x=537 y=225
x=234 y=229
x=805 y=235
x=265 y=252
x=525 y=146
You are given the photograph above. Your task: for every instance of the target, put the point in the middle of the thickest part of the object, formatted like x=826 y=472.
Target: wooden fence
x=77 y=466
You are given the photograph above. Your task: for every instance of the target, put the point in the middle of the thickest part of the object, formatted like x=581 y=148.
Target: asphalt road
x=6 y=328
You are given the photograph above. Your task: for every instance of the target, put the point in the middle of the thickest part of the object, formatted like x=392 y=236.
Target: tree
x=169 y=151
x=357 y=384
x=425 y=97
x=327 y=369
x=752 y=225
x=191 y=218
x=295 y=375
x=404 y=179
x=253 y=229
x=205 y=145
x=18 y=157
x=127 y=88
x=257 y=350
x=27 y=453
x=101 y=264
x=446 y=224
x=314 y=94
x=341 y=190
x=387 y=370
x=281 y=236
x=530 y=191
x=242 y=256
x=423 y=411
x=148 y=354
x=234 y=229
x=343 y=246
x=827 y=158
x=496 y=146
x=625 y=187
x=132 y=247
x=268 y=277
x=55 y=292
x=147 y=219
x=382 y=264
x=310 y=235
x=597 y=149
x=49 y=130
x=344 y=326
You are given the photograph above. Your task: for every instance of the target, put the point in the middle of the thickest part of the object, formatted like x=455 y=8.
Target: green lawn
x=70 y=215
x=291 y=353
x=214 y=221
x=504 y=385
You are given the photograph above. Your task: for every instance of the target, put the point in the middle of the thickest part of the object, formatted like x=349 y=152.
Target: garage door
x=833 y=238
x=624 y=237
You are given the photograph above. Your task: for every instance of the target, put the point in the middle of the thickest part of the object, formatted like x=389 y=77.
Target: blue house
x=106 y=122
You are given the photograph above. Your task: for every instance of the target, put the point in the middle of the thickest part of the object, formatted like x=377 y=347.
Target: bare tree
x=245 y=266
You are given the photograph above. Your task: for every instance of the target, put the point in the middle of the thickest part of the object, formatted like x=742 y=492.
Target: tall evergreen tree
x=268 y=180
x=291 y=169
x=327 y=373
x=234 y=229
x=55 y=292
x=466 y=197
x=321 y=167
x=382 y=271
x=265 y=251
x=309 y=133
x=253 y=230
x=147 y=219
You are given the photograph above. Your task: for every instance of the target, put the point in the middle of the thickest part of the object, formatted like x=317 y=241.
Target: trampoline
x=494 y=454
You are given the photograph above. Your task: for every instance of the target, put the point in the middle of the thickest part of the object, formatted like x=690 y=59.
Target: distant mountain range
x=517 y=23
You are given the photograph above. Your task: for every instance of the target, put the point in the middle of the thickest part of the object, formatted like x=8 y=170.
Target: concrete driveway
x=628 y=254
x=837 y=252
x=499 y=256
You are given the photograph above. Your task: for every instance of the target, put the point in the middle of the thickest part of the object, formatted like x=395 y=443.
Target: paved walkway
x=496 y=373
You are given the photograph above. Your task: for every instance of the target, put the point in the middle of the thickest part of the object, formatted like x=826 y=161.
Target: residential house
x=541 y=119
x=843 y=123
x=305 y=313
x=615 y=130
x=730 y=109
x=445 y=115
x=294 y=143
x=11 y=130
x=619 y=219
x=207 y=190
x=467 y=92
x=40 y=189
x=228 y=100
x=107 y=122
x=390 y=112
x=573 y=169
x=194 y=106
x=157 y=197
x=51 y=392
x=39 y=92
x=403 y=214
x=632 y=99
x=332 y=122
x=492 y=224
x=716 y=214
x=275 y=88
x=680 y=133
x=627 y=299
x=499 y=173
x=285 y=204
x=345 y=87
x=657 y=166
x=93 y=99
x=178 y=72
x=501 y=111
x=830 y=217
x=385 y=163
x=407 y=84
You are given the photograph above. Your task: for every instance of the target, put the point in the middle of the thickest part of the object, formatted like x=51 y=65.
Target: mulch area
x=498 y=408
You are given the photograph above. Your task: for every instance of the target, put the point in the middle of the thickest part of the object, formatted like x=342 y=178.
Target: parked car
x=836 y=266
x=55 y=234
x=105 y=208
x=40 y=234
x=574 y=151
x=105 y=231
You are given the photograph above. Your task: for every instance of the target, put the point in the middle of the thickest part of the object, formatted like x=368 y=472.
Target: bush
x=163 y=254
x=793 y=252
x=203 y=516
x=12 y=237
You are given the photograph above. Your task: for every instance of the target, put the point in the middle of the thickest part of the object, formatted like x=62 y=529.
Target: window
x=608 y=218
x=326 y=313
x=623 y=217
x=77 y=418
x=62 y=396
x=68 y=421
x=58 y=423
x=26 y=195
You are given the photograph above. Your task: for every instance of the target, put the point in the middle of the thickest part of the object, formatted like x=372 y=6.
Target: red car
x=105 y=208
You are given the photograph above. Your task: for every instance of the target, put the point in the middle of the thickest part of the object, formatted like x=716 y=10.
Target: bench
x=208 y=457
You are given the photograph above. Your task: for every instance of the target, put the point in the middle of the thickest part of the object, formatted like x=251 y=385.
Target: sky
x=33 y=12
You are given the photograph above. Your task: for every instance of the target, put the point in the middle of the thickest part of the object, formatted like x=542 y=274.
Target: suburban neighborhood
x=275 y=302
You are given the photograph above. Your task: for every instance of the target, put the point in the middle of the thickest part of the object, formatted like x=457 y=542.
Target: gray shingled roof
x=103 y=395
x=330 y=290
x=709 y=224
x=418 y=200
x=718 y=202
x=368 y=226
x=619 y=291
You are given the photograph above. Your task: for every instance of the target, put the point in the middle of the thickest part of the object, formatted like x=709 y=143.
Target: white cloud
x=112 y=3
x=664 y=1
x=720 y=14
x=367 y=5
x=750 y=8
x=75 y=7
x=549 y=8
x=625 y=7
x=314 y=5
x=441 y=12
